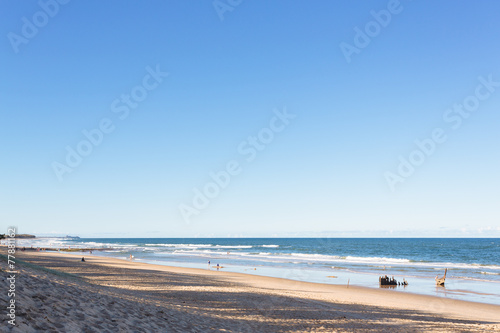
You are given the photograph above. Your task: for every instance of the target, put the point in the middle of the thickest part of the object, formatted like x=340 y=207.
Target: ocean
x=473 y=264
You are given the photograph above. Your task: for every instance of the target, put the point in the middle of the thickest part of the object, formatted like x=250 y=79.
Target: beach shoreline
x=212 y=291
x=474 y=277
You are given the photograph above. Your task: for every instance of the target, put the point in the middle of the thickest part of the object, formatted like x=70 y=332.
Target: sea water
x=473 y=264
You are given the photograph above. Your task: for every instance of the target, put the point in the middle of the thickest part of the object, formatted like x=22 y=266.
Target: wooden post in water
x=440 y=281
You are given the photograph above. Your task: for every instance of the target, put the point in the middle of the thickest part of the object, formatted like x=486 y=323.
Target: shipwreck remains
x=387 y=281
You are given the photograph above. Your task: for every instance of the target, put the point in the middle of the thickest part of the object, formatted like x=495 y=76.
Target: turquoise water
x=473 y=264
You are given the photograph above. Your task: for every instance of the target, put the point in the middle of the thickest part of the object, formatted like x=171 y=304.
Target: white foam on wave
x=203 y=252
x=196 y=246
x=180 y=245
x=270 y=246
x=377 y=260
x=452 y=265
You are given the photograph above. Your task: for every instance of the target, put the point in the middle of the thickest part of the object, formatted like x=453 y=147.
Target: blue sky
x=321 y=171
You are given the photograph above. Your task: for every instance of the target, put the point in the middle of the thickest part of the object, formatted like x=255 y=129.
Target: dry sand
x=112 y=295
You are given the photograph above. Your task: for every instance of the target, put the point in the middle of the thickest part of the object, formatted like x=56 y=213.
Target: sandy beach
x=60 y=293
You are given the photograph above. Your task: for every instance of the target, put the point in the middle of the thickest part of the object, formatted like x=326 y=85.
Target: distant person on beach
x=131 y=256
x=83 y=259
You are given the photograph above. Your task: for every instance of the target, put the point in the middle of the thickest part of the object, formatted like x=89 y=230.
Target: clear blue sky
x=324 y=172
